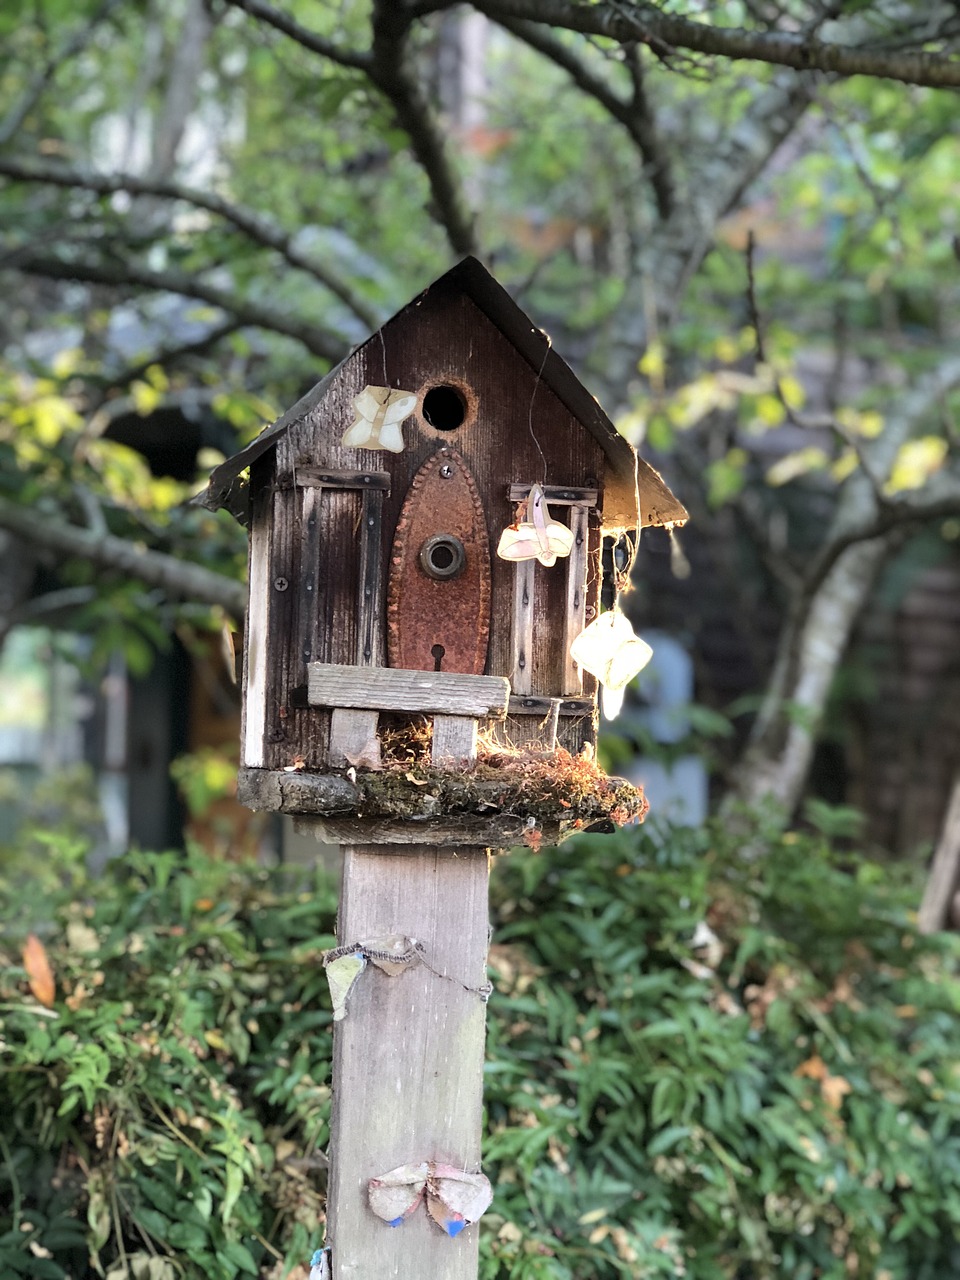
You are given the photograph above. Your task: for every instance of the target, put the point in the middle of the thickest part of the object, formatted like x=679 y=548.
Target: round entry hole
x=443 y=556
x=444 y=408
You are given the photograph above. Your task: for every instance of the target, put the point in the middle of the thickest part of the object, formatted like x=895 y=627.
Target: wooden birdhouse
x=426 y=528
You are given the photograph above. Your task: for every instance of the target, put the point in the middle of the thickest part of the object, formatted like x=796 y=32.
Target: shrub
x=700 y=1064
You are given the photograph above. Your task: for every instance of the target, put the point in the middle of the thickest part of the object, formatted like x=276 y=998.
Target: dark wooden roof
x=630 y=480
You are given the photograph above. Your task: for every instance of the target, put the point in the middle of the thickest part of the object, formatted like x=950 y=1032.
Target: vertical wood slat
x=311 y=586
x=255 y=639
x=282 y=743
x=351 y=732
x=408 y=1056
x=369 y=588
x=454 y=740
x=521 y=681
x=575 y=614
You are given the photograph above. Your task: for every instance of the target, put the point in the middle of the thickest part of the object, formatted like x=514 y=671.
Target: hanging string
x=383 y=350
x=533 y=434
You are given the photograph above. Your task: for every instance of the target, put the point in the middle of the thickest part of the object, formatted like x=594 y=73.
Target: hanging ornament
x=538 y=538
x=609 y=650
x=343 y=966
x=379 y=413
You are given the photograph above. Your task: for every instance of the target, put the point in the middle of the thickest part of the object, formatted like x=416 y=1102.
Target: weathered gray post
x=422 y=655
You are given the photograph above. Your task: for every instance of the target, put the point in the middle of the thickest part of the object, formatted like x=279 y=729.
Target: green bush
x=700 y=1064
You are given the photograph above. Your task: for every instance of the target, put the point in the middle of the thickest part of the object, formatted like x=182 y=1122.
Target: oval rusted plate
x=424 y=612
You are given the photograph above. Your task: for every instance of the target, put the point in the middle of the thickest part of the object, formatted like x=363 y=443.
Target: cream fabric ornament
x=610 y=650
x=539 y=538
x=379 y=413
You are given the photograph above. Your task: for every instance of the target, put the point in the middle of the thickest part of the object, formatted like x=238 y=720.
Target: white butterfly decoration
x=609 y=650
x=454 y=1197
x=379 y=413
x=540 y=539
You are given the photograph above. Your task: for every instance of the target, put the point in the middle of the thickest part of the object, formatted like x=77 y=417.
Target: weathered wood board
x=408 y=1057
x=393 y=689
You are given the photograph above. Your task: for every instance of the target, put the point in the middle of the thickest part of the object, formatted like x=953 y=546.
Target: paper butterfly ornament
x=538 y=538
x=320 y=1265
x=342 y=972
x=609 y=650
x=454 y=1198
x=379 y=413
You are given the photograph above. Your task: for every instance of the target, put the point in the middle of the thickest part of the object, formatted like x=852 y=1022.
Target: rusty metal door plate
x=438 y=595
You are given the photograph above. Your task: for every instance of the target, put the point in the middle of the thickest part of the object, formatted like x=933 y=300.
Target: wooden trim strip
x=523 y=705
x=311 y=477
x=394 y=689
x=557 y=495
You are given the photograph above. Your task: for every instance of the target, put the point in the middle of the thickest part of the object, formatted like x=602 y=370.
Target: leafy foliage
x=717 y=1056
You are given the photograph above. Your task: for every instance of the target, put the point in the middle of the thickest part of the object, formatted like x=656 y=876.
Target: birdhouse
x=426 y=529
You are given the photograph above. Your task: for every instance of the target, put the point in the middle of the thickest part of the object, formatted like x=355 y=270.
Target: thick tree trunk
x=827 y=604
x=812 y=645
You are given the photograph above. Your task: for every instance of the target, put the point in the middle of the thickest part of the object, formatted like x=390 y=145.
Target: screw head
x=280 y=584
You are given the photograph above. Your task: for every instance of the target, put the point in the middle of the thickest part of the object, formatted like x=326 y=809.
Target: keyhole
x=437 y=653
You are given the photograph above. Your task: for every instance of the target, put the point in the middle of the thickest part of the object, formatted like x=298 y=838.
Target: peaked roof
x=630 y=479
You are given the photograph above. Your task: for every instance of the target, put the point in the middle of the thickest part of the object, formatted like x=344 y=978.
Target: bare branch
x=255 y=226
x=180 y=579
x=322 y=343
x=633 y=112
x=394 y=77
x=644 y=23
x=303 y=35
x=387 y=65
x=173 y=355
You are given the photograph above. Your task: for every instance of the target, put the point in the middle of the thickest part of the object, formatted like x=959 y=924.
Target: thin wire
x=533 y=435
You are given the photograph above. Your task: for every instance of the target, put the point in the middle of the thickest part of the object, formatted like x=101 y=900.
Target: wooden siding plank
x=394 y=689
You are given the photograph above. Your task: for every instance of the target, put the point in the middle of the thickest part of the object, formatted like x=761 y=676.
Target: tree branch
x=303 y=35
x=633 y=113
x=319 y=341
x=642 y=22
x=392 y=74
x=180 y=579
x=173 y=355
x=252 y=224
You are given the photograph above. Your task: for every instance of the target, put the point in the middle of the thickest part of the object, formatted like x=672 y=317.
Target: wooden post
x=408 y=1055
x=944 y=877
